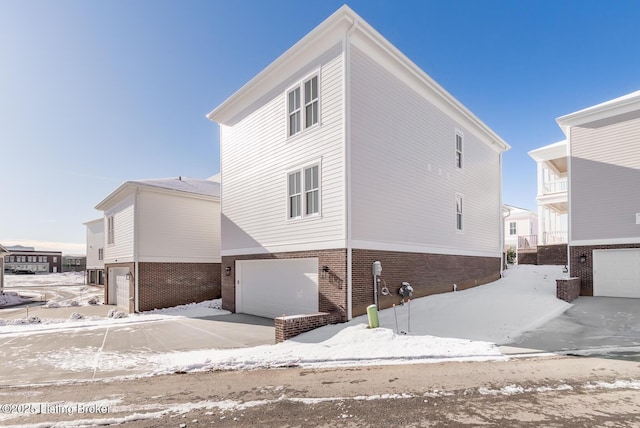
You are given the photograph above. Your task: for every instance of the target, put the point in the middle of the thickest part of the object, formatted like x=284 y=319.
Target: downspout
x=502 y=220
x=568 y=154
x=346 y=48
x=136 y=240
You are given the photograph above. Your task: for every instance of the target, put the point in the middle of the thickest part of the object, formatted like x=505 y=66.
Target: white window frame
x=303 y=192
x=459 y=218
x=513 y=230
x=301 y=109
x=111 y=235
x=459 y=151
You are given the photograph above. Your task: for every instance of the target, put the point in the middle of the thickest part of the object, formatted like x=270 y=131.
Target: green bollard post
x=372 y=314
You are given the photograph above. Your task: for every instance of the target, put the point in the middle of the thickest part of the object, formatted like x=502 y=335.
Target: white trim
x=421 y=249
x=459 y=133
x=615 y=241
x=300 y=85
x=286 y=248
x=301 y=169
x=462 y=208
x=346 y=116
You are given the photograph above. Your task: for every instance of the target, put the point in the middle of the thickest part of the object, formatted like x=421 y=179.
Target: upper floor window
x=459 y=213
x=55 y=259
x=110 y=230
x=302 y=105
x=100 y=253
x=458 y=150
x=6 y=259
x=512 y=228
x=303 y=192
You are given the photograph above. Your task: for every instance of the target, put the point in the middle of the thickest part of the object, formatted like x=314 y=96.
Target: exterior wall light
x=129 y=276
x=227 y=271
x=583 y=258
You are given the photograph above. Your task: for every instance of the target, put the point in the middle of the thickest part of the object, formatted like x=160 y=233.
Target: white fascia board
x=552 y=151
x=90 y=222
x=329 y=33
x=128 y=187
x=616 y=107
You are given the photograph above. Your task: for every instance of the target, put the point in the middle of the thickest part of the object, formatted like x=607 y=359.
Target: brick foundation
x=163 y=285
x=568 y=289
x=332 y=285
x=427 y=273
x=527 y=257
x=552 y=254
x=585 y=270
x=293 y=325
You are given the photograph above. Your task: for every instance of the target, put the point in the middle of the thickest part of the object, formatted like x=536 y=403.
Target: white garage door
x=616 y=273
x=119 y=287
x=270 y=288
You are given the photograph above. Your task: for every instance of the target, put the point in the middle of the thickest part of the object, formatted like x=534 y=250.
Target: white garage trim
x=119 y=287
x=271 y=288
x=616 y=272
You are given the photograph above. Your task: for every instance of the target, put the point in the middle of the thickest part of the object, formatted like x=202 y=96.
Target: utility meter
x=377 y=268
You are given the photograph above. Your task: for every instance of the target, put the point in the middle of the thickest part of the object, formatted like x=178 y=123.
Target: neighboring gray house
x=603 y=153
x=161 y=243
x=341 y=153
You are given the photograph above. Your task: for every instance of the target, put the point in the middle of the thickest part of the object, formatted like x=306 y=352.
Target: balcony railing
x=549 y=238
x=558 y=237
x=556 y=186
x=527 y=241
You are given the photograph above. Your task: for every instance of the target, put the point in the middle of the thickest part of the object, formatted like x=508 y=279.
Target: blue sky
x=96 y=93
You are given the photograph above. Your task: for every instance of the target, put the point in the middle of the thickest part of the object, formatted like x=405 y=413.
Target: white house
x=95 y=252
x=603 y=153
x=162 y=243
x=552 y=196
x=520 y=228
x=342 y=153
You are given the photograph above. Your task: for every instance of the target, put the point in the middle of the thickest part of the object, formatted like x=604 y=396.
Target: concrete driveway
x=595 y=326
x=22 y=354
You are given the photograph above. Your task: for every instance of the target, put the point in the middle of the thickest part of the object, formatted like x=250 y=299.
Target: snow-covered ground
x=56 y=289
x=464 y=325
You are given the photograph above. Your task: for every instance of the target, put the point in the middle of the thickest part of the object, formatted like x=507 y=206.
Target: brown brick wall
x=552 y=254
x=585 y=270
x=163 y=285
x=568 y=289
x=427 y=273
x=332 y=285
x=291 y=326
x=527 y=257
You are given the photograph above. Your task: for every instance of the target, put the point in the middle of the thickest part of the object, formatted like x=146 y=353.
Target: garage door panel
x=616 y=273
x=270 y=288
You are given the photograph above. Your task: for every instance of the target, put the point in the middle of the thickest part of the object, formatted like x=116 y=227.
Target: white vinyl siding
x=605 y=177
x=95 y=244
x=177 y=228
x=256 y=156
x=123 y=234
x=403 y=177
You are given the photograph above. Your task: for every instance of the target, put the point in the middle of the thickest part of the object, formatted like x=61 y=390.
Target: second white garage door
x=270 y=288
x=616 y=273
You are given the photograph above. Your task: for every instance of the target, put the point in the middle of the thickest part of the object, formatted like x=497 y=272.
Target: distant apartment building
x=74 y=263
x=29 y=260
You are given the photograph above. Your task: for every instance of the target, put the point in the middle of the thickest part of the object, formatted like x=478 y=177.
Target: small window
x=303 y=106
x=303 y=190
x=459 y=212
x=295 y=195
x=55 y=259
x=294 y=111
x=110 y=230
x=512 y=228
x=100 y=253
x=13 y=259
x=458 y=150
